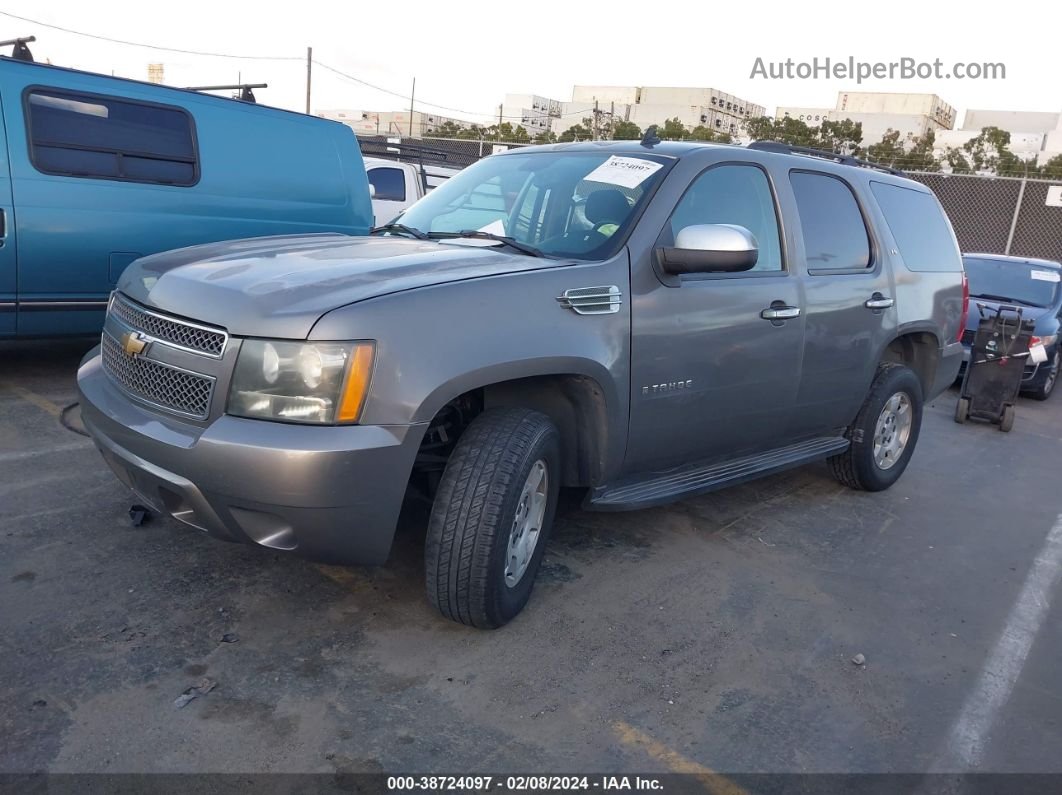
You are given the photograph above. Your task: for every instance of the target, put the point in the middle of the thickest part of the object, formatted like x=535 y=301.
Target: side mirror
x=710 y=248
x=372 y=191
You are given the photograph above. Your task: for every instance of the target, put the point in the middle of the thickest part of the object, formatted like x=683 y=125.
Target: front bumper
x=328 y=493
x=1032 y=376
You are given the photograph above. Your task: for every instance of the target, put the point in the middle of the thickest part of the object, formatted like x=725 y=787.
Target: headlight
x=312 y=382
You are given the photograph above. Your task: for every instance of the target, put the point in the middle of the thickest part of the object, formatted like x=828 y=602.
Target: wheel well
x=918 y=350
x=575 y=403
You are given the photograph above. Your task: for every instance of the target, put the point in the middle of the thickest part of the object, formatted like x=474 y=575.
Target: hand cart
x=997 y=361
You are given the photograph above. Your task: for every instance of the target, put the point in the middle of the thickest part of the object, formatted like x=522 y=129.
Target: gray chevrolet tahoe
x=644 y=321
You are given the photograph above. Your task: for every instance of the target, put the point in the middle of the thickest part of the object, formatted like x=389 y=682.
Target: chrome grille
x=178 y=332
x=157 y=383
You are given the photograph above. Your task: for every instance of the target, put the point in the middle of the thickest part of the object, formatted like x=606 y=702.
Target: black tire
x=474 y=512
x=856 y=467
x=962 y=410
x=1046 y=388
x=1006 y=422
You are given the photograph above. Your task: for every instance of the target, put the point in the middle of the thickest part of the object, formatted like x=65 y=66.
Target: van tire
x=475 y=510
x=858 y=467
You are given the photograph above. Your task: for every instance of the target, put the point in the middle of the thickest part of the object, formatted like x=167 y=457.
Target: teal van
x=97 y=171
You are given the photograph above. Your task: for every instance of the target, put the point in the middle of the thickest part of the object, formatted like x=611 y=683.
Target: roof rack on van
x=20 y=51
x=246 y=94
x=848 y=160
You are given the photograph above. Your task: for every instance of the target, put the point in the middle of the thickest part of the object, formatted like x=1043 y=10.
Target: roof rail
x=246 y=94
x=20 y=51
x=848 y=160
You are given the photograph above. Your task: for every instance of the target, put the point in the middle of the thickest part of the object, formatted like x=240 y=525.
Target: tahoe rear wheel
x=884 y=433
x=491 y=517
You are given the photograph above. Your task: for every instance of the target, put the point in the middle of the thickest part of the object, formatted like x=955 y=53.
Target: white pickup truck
x=394 y=185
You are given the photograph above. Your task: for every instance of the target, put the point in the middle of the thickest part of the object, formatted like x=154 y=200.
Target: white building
x=1034 y=135
x=530 y=111
x=912 y=114
x=643 y=105
x=396 y=122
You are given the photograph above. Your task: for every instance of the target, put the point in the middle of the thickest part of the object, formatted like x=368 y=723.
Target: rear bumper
x=327 y=493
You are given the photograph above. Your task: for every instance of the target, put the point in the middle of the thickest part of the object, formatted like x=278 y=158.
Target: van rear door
x=8 y=270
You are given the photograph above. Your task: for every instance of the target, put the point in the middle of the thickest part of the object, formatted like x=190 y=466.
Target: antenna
x=650 y=138
x=20 y=52
x=246 y=94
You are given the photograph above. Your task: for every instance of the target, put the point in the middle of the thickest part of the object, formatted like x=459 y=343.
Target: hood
x=280 y=286
x=1042 y=316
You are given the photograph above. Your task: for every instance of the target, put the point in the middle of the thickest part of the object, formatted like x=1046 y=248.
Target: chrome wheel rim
x=893 y=430
x=527 y=524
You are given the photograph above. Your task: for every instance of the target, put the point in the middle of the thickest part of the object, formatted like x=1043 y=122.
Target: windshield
x=564 y=204
x=1005 y=280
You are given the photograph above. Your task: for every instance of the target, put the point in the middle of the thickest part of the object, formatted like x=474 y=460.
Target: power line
x=375 y=87
x=207 y=54
x=153 y=46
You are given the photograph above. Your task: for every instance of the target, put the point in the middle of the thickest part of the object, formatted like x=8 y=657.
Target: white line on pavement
x=970 y=732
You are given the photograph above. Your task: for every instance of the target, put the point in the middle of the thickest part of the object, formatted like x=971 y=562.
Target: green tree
x=1052 y=169
x=920 y=154
x=577 y=132
x=703 y=133
x=840 y=136
x=626 y=131
x=956 y=160
x=888 y=151
x=986 y=151
x=673 y=130
x=447 y=129
x=546 y=137
x=520 y=135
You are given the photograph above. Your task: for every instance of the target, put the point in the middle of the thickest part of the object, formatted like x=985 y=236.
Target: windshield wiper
x=409 y=230
x=524 y=248
x=1005 y=298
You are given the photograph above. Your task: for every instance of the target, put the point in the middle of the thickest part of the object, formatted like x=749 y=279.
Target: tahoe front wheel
x=491 y=517
x=884 y=433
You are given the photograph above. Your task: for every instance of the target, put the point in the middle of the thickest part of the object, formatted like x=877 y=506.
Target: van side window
x=917 y=222
x=734 y=194
x=84 y=135
x=389 y=184
x=835 y=235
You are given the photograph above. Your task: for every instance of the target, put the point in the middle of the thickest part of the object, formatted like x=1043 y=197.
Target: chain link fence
x=1001 y=215
x=993 y=215
x=453 y=152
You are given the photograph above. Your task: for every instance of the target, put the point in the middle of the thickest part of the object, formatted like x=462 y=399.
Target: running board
x=657 y=488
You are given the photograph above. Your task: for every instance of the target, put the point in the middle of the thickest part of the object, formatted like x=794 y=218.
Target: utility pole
x=597 y=121
x=499 y=115
x=612 y=120
x=412 y=93
x=309 y=69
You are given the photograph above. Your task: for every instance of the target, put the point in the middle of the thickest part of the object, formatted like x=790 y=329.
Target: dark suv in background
x=1035 y=286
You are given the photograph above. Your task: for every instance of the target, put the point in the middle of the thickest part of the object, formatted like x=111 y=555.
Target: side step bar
x=658 y=488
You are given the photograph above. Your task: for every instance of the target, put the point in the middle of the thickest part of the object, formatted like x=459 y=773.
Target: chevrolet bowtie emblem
x=133 y=344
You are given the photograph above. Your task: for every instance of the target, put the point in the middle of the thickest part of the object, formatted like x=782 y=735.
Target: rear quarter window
x=835 y=235
x=921 y=230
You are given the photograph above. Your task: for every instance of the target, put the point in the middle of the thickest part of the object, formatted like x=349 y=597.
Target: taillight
x=965 y=305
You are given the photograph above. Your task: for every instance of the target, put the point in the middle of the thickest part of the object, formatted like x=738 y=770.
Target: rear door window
x=835 y=235
x=389 y=184
x=917 y=222
x=103 y=137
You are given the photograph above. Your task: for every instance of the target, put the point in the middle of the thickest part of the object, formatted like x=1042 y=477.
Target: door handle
x=879 y=301
x=780 y=313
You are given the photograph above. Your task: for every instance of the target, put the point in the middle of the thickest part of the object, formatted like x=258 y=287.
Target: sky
x=466 y=56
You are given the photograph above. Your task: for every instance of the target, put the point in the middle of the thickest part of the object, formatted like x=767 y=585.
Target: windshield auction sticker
x=627 y=172
x=1045 y=276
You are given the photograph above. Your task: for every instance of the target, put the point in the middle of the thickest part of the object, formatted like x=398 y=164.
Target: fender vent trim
x=603 y=300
